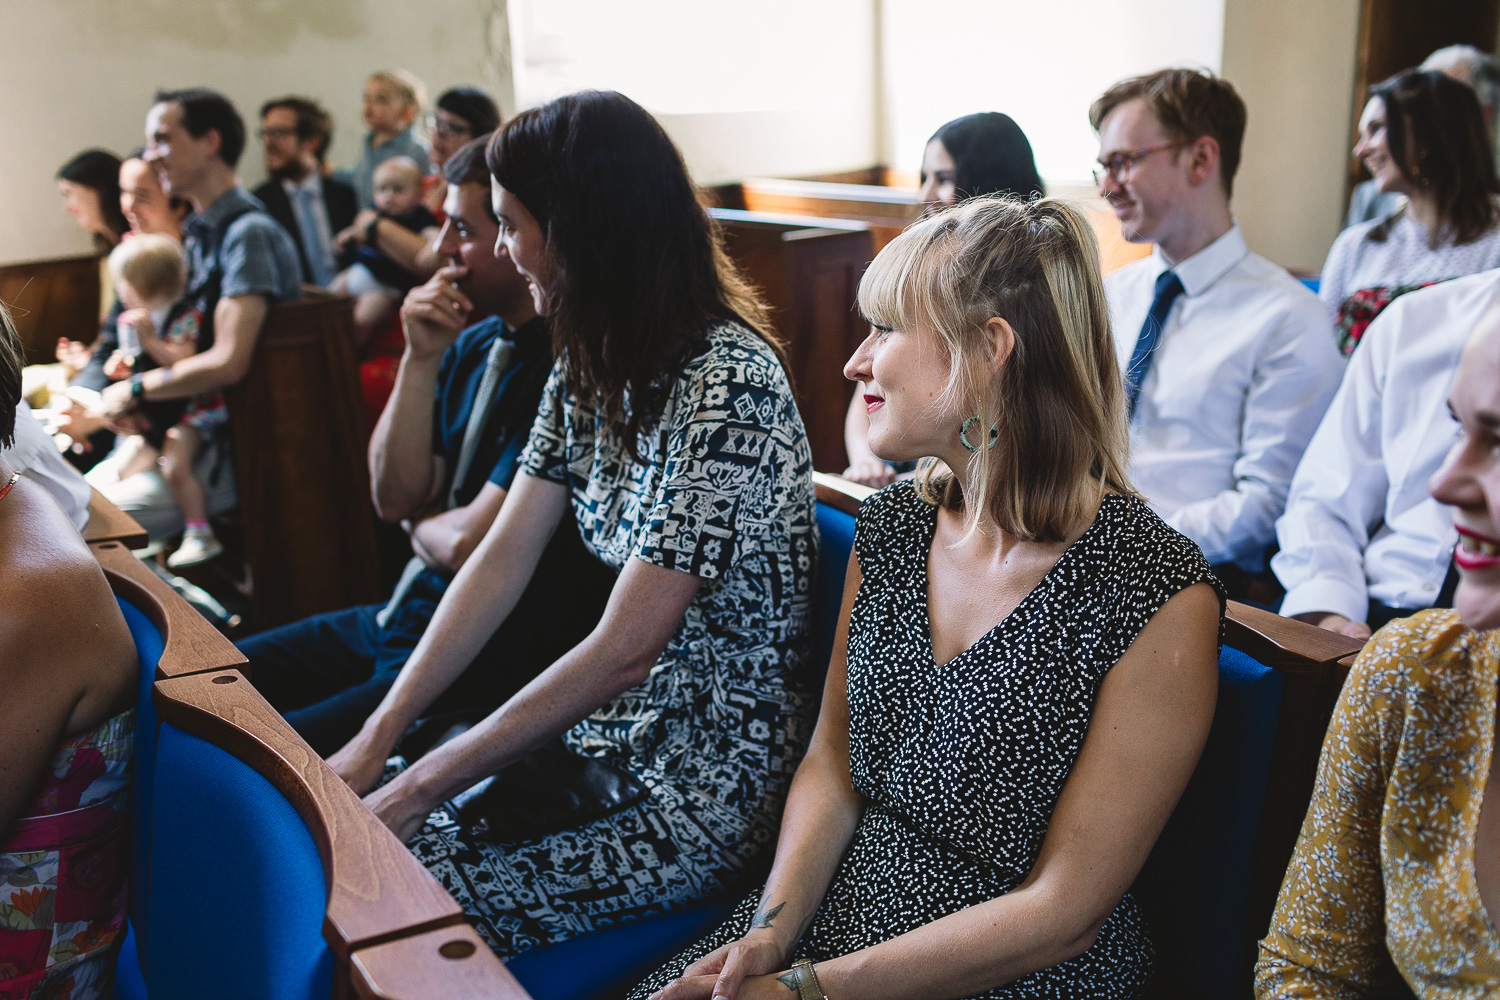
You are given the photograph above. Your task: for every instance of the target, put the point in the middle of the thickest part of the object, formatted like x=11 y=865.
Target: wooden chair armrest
x=108 y=523
x=377 y=890
x=840 y=493
x=450 y=963
x=190 y=644
x=1285 y=643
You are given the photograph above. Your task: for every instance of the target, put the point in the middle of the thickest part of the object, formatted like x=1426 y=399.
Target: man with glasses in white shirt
x=1229 y=361
x=1362 y=540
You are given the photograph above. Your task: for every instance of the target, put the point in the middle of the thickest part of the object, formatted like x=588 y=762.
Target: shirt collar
x=312 y=183
x=1199 y=272
x=230 y=201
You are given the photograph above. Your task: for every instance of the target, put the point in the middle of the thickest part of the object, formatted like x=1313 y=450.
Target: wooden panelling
x=49 y=299
x=300 y=466
x=809 y=272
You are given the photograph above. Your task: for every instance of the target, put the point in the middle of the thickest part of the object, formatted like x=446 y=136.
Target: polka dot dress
x=961 y=765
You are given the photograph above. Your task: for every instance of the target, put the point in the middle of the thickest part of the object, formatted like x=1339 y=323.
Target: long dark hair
x=1438 y=140
x=99 y=171
x=991 y=155
x=641 y=269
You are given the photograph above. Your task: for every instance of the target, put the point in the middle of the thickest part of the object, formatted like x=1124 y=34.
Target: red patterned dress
x=62 y=872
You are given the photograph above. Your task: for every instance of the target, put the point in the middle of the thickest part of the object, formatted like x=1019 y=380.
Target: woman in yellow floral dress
x=1397 y=872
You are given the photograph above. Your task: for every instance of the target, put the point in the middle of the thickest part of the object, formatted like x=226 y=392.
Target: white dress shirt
x=1360 y=524
x=35 y=454
x=317 y=238
x=1244 y=368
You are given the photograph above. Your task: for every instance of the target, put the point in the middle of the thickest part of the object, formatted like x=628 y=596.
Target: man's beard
x=291 y=169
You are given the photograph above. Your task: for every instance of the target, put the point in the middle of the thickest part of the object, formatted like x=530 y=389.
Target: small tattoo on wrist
x=789 y=980
x=763 y=919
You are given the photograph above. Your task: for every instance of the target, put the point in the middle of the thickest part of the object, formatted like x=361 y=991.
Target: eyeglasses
x=277 y=132
x=446 y=128
x=1121 y=165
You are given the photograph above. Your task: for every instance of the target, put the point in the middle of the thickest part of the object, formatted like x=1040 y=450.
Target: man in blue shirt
x=441 y=460
x=240 y=262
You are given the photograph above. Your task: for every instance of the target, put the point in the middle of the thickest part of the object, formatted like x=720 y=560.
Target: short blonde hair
x=1057 y=404
x=406 y=84
x=151 y=264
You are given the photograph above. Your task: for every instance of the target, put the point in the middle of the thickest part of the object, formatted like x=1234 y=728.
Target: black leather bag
x=548 y=790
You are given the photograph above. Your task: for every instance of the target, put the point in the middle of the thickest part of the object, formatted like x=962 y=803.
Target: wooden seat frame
x=393 y=931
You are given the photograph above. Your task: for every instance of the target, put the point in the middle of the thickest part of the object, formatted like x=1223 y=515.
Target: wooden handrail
x=377 y=890
x=840 y=493
x=450 y=963
x=190 y=644
x=1285 y=643
x=108 y=523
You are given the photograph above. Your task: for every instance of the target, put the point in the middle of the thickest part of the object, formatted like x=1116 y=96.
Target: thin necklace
x=14 y=475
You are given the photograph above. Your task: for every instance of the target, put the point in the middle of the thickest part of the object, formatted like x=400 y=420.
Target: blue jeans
x=327 y=674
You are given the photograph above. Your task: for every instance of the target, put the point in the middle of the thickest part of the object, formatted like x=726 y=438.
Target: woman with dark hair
x=970 y=157
x=460 y=115
x=1422 y=135
x=67 y=725
x=974 y=156
x=90 y=186
x=669 y=433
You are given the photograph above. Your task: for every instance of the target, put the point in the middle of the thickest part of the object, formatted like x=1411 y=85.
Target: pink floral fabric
x=62 y=872
x=1360 y=309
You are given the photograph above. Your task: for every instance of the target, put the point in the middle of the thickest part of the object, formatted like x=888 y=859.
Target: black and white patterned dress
x=960 y=766
x=722 y=489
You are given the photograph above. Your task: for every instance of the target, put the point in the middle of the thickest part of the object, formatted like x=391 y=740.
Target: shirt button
x=1429 y=587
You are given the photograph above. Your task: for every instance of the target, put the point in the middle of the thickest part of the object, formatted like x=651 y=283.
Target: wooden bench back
x=49 y=299
x=379 y=895
x=299 y=457
x=889 y=209
x=809 y=272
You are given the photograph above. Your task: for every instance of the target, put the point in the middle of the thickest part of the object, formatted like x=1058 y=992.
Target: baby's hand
x=73 y=354
x=120 y=365
x=140 y=321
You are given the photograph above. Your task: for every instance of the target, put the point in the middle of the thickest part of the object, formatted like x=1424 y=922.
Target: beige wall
x=80 y=73
x=743 y=97
x=1294 y=63
x=774 y=87
x=1042 y=64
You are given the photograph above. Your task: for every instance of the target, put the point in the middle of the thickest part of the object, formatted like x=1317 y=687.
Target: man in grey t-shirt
x=240 y=262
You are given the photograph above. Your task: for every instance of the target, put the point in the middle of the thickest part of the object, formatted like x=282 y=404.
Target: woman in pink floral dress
x=67 y=687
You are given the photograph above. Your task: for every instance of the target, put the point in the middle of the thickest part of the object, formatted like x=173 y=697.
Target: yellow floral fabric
x=1382 y=887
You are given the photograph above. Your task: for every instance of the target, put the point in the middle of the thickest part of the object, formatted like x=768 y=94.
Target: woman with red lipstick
x=1396 y=878
x=1026 y=670
x=669 y=433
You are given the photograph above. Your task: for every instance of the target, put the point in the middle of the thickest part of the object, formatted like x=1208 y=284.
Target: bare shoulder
x=58 y=608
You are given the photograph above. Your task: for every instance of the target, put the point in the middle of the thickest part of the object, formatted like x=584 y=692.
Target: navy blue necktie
x=1168 y=287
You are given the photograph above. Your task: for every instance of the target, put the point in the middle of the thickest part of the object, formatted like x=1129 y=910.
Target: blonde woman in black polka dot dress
x=1029 y=674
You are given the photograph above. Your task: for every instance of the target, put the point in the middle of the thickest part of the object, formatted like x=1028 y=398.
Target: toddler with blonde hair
x=159 y=328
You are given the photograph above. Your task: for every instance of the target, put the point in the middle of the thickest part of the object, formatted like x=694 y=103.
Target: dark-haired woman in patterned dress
x=669 y=433
x=1029 y=673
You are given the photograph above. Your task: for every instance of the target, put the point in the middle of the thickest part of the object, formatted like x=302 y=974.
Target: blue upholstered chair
x=604 y=963
x=1196 y=885
x=238 y=889
x=1311 y=283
